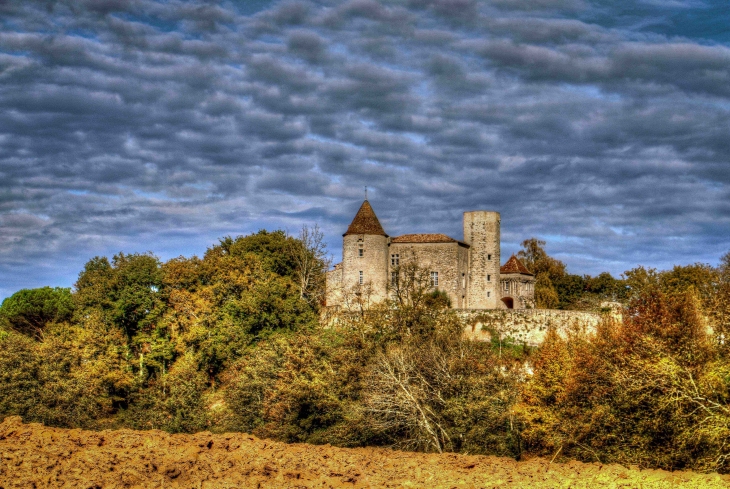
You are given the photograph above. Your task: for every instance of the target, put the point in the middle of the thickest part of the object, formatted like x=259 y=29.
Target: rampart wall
x=523 y=326
x=527 y=326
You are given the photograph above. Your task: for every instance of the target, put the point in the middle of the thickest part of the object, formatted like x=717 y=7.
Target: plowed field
x=32 y=455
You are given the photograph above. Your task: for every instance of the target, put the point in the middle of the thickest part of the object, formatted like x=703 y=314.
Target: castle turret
x=365 y=253
x=481 y=233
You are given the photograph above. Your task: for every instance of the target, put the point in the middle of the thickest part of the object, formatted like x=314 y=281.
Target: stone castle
x=468 y=271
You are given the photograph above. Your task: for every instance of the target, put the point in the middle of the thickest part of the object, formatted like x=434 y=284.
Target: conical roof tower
x=365 y=222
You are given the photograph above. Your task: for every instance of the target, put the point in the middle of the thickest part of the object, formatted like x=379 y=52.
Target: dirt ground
x=35 y=456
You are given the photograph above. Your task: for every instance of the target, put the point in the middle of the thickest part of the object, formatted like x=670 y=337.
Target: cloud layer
x=134 y=126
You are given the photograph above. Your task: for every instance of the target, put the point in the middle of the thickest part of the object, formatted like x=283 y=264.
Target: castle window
x=434 y=279
x=506 y=286
x=360 y=252
x=489 y=257
x=489 y=278
x=361 y=278
x=393 y=278
x=489 y=294
x=463 y=281
x=395 y=260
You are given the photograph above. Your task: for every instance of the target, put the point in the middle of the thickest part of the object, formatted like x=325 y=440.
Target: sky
x=601 y=127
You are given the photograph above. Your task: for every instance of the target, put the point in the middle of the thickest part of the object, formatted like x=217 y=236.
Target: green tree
x=272 y=248
x=571 y=290
x=548 y=272
x=28 y=311
x=174 y=401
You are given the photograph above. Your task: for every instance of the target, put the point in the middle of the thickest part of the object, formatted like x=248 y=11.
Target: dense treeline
x=234 y=341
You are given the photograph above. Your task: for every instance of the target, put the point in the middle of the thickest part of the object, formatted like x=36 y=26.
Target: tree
x=128 y=291
x=649 y=391
x=440 y=392
x=269 y=246
x=28 y=311
x=536 y=259
x=548 y=271
x=20 y=386
x=570 y=290
x=309 y=254
x=606 y=287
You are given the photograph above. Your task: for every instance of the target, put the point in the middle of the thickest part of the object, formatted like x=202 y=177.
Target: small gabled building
x=467 y=270
x=518 y=285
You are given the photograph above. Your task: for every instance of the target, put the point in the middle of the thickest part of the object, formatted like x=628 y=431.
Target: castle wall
x=525 y=326
x=373 y=263
x=528 y=326
x=450 y=260
x=482 y=233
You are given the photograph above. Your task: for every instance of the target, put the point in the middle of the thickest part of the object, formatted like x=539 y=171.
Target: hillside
x=34 y=455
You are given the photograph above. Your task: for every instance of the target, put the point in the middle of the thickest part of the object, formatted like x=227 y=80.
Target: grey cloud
x=373 y=88
x=689 y=67
x=290 y=13
x=308 y=44
x=550 y=31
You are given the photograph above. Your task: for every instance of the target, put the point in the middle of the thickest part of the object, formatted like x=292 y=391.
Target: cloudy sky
x=602 y=127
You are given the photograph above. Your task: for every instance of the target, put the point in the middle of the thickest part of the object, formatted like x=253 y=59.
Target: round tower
x=481 y=233
x=365 y=254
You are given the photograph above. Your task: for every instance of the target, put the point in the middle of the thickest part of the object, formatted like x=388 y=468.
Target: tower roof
x=365 y=222
x=514 y=265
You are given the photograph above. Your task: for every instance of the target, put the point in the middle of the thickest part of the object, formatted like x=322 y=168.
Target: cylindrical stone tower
x=365 y=253
x=481 y=233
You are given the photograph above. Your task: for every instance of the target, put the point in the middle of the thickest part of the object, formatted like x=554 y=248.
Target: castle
x=468 y=271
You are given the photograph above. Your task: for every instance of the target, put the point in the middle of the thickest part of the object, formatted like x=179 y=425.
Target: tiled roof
x=514 y=265
x=423 y=238
x=365 y=222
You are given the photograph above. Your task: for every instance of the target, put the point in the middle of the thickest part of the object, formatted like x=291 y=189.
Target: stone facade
x=467 y=271
x=449 y=260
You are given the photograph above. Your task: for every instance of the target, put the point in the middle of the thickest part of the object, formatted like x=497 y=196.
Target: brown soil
x=32 y=455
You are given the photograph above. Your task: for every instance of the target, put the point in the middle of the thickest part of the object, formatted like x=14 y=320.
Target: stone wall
x=527 y=326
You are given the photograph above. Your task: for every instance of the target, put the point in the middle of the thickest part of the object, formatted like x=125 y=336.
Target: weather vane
x=366 y=192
